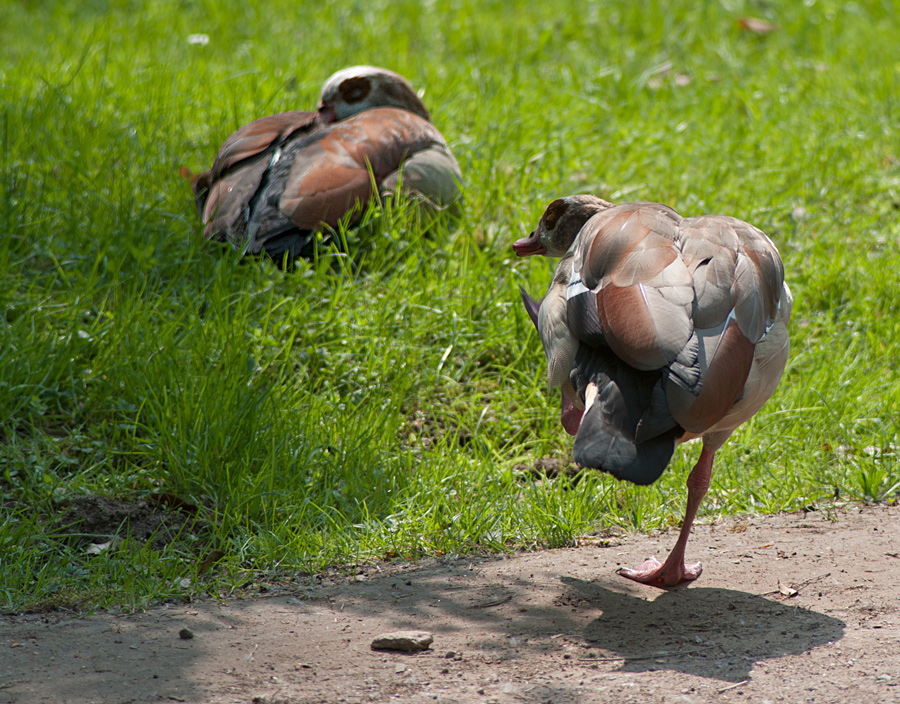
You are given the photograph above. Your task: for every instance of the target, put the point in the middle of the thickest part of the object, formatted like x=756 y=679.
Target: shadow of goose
x=709 y=632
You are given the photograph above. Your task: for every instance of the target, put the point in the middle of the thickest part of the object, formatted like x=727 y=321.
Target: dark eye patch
x=554 y=212
x=355 y=89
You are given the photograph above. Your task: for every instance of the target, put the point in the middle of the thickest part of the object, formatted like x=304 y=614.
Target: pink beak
x=530 y=245
x=327 y=113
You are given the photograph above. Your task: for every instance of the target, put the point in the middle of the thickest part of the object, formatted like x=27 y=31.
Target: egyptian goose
x=659 y=329
x=277 y=180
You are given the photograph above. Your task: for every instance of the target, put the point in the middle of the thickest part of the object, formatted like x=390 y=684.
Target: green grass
x=378 y=406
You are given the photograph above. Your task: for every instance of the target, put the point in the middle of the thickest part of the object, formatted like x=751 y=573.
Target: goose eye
x=355 y=89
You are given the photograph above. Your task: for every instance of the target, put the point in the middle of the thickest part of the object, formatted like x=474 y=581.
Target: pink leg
x=674 y=570
x=571 y=416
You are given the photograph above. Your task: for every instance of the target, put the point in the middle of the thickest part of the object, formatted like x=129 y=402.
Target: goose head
x=358 y=88
x=559 y=226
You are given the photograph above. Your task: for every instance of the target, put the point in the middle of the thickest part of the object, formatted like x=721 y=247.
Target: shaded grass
x=377 y=405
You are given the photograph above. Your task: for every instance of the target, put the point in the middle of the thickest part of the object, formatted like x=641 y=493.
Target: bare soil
x=796 y=608
x=159 y=520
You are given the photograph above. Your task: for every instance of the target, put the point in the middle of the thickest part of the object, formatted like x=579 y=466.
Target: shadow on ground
x=704 y=631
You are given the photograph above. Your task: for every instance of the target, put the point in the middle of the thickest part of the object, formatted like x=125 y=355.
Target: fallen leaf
x=786 y=591
x=99 y=548
x=756 y=25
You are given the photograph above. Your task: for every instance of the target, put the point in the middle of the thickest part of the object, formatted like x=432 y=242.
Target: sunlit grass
x=382 y=405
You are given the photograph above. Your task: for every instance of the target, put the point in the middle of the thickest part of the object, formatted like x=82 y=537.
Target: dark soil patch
x=551 y=467
x=159 y=520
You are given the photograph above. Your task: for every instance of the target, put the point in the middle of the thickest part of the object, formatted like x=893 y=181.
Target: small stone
x=450 y=654
x=185 y=634
x=405 y=641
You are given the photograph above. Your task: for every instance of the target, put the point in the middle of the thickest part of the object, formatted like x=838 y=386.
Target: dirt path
x=556 y=626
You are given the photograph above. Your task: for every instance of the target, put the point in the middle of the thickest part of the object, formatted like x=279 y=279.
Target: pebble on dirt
x=185 y=634
x=406 y=641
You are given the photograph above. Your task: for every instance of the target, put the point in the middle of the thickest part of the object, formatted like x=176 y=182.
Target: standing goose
x=659 y=329
x=277 y=180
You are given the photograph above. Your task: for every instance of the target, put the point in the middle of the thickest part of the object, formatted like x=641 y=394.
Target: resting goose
x=277 y=180
x=658 y=329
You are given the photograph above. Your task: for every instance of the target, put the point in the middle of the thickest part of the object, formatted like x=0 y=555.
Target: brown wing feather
x=723 y=381
x=223 y=193
x=643 y=288
x=736 y=301
x=628 y=243
x=332 y=172
x=769 y=359
x=226 y=203
x=258 y=136
x=325 y=194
